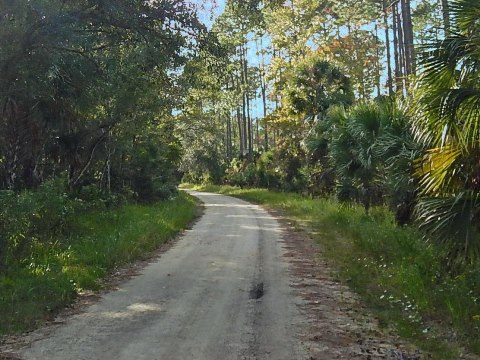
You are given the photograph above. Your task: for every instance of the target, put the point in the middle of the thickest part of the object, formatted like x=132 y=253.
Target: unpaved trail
x=221 y=292
x=241 y=284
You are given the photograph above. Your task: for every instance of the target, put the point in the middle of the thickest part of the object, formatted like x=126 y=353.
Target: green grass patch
x=400 y=277
x=56 y=269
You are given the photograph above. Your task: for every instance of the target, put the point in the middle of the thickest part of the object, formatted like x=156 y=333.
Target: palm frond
x=435 y=168
x=452 y=220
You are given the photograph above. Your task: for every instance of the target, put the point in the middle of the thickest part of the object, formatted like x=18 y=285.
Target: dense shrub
x=268 y=171
x=34 y=216
x=29 y=216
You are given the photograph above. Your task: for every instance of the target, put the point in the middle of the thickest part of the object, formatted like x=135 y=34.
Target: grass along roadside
x=400 y=277
x=57 y=269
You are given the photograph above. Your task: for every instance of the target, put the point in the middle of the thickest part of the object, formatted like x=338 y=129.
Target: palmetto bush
x=446 y=113
x=372 y=151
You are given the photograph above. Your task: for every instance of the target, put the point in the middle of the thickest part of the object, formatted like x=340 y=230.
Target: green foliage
x=371 y=151
x=272 y=170
x=83 y=83
x=54 y=267
x=202 y=166
x=299 y=159
x=241 y=173
x=27 y=217
x=315 y=85
x=268 y=171
x=151 y=169
x=32 y=218
x=446 y=115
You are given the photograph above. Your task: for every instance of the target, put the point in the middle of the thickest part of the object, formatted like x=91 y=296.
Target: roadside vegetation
x=62 y=246
x=88 y=151
x=392 y=169
x=401 y=277
x=414 y=150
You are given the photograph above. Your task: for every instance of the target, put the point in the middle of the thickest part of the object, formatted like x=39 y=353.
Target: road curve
x=221 y=292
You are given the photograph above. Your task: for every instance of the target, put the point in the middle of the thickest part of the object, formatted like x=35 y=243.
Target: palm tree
x=372 y=151
x=446 y=113
x=397 y=150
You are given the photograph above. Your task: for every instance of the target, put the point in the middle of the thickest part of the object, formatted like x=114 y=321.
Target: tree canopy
x=373 y=102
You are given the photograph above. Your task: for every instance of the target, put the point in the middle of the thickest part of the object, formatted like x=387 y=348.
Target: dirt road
x=221 y=292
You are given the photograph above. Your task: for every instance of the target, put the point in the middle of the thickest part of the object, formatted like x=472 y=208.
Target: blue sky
x=207 y=9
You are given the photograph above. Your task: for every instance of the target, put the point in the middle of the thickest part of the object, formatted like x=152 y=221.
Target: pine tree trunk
x=240 y=132
x=247 y=98
x=239 y=122
x=378 y=62
x=396 y=54
x=229 y=137
x=258 y=134
x=401 y=52
x=408 y=39
x=263 y=85
x=244 y=103
x=249 y=127
x=235 y=136
x=387 y=46
x=228 y=126
x=244 y=126
x=446 y=16
x=264 y=101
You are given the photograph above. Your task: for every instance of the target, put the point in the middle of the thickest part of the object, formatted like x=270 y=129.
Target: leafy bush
x=204 y=166
x=372 y=152
x=241 y=173
x=33 y=215
x=268 y=172
x=150 y=172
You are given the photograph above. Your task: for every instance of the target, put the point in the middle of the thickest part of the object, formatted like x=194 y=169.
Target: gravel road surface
x=221 y=292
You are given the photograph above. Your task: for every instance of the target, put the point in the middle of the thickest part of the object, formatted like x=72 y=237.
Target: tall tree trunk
x=263 y=86
x=246 y=134
x=387 y=46
x=235 y=136
x=408 y=39
x=378 y=61
x=250 y=128
x=401 y=52
x=258 y=134
x=239 y=122
x=276 y=108
x=229 y=136
x=264 y=101
x=244 y=125
x=446 y=16
x=399 y=67
x=240 y=132
x=247 y=98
